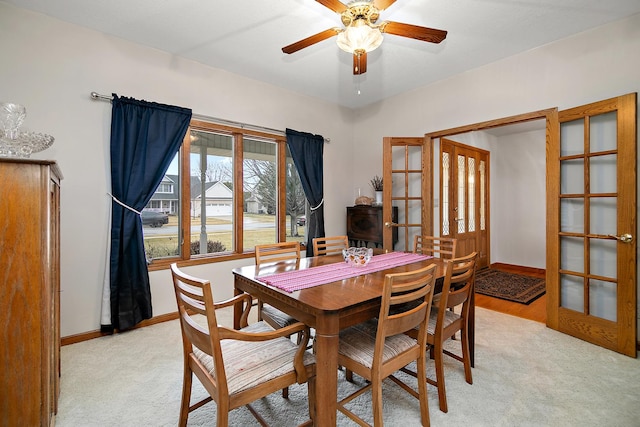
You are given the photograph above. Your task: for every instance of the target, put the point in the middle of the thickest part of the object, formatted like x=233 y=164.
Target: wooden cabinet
x=364 y=225
x=29 y=292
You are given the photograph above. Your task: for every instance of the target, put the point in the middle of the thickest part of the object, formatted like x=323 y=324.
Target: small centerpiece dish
x=357 y=257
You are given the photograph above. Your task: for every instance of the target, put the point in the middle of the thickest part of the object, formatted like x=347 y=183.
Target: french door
x=407 y=185
x=591 y=205
x=464 y=192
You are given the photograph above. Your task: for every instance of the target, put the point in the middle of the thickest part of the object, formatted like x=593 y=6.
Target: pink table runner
x=295 y=280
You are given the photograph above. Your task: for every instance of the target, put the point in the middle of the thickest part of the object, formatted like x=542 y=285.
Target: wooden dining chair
x=330 y=245
x=442 y=247
x=379 y=347
x=444 y=323
x=269 y=253
x=236 y=367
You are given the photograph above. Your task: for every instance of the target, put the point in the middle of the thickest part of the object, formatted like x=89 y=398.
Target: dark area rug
x=509 y=286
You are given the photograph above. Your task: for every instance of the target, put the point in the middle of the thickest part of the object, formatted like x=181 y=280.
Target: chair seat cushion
x=449 y=318
x=248 y=364
x=358 y=343
x=278 y=316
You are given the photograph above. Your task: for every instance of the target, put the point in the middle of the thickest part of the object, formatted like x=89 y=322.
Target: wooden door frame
x=552 y=127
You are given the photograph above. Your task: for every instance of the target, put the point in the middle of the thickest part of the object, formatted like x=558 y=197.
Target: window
x=165 y=188
x=229 y=189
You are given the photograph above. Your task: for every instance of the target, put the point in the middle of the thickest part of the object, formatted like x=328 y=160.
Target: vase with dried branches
x=376 y=183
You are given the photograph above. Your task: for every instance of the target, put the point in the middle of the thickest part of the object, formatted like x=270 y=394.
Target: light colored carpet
x=525 y=375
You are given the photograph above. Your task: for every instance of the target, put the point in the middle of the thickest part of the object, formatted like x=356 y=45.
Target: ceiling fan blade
x=294 y=47
x=334 y=5
x=359 y=63
x=383 y=4
x=413 y=31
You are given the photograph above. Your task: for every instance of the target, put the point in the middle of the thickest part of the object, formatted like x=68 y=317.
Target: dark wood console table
x=365 y=225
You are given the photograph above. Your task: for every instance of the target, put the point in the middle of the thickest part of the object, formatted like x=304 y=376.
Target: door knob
x=624 y=238
x=390 y=224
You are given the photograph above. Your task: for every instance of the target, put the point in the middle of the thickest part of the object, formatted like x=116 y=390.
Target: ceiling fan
x=361 y=34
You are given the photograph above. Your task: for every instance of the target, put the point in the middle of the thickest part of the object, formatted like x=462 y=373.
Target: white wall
x=589 y=67
x=51 y=67
x=518 y=199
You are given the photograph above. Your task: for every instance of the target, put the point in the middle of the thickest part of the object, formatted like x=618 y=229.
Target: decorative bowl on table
x=357 y=257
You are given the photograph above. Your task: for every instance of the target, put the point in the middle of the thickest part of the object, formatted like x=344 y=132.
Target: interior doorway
x=465 y=198
x=505 y=239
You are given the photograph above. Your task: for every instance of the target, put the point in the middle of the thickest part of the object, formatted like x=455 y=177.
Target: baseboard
x=518 y=269
x=85 y=336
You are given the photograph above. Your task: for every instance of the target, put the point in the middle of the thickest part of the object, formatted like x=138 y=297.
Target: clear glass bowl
x=357 y=257
x=13 y=142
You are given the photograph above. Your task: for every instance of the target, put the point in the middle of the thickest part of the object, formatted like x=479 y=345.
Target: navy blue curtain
x=145 y=136
x=306 y=150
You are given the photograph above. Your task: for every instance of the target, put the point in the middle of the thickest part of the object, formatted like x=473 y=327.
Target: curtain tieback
x=313 y=208
x=115 y=199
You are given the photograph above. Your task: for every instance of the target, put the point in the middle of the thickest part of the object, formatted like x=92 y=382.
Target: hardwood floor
x=537 y=310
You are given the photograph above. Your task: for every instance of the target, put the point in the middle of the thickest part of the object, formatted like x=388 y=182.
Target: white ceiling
x=246 y=36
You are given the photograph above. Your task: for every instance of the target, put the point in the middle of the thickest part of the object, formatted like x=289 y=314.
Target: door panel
x=404 y=161
x=591 y=190
x=464 y=192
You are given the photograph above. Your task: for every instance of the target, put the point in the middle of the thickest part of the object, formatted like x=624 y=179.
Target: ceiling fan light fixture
x=359 y=36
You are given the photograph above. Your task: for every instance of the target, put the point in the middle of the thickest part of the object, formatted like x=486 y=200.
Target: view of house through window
x=268 y=190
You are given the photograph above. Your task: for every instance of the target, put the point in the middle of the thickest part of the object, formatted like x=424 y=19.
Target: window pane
x=260 y=178
x=160 y=218
x=211 y=205
x=296 y=204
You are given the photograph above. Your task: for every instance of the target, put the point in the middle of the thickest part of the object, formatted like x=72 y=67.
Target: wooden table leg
x=326 y=347
x=472 y=328
x=237 y=310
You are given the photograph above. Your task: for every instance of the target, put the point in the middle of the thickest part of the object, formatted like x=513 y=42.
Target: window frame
x=239 y=252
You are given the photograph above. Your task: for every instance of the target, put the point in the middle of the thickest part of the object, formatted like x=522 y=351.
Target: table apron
x=308 y=315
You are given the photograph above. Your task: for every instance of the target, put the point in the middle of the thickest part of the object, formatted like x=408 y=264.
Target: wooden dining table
x=328 y=308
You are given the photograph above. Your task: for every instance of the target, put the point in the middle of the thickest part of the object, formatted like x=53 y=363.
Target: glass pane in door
x=604 y=214
x=414 y=161
x=590 y=213
x=446 y=183
x=572 y=138
x=462 y=175
x=471 y=206
x=572 y=176
x=483 y=209
x=602 y=174
x=603 y=132
x=602 y=299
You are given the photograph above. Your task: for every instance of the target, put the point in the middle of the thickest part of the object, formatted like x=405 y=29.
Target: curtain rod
x=96 y=96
